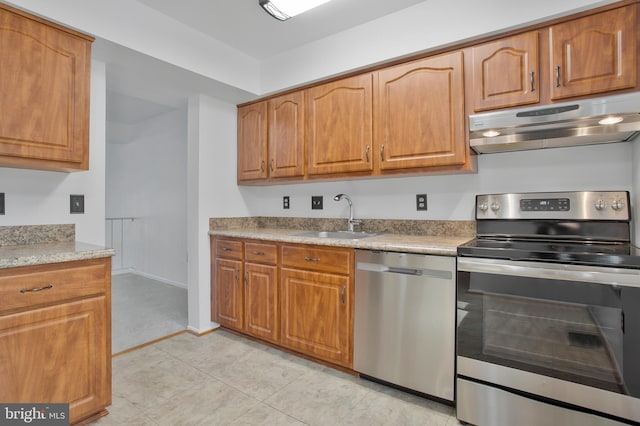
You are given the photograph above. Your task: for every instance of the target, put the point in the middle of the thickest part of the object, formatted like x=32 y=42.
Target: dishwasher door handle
x=406 y=271
x=432 y=273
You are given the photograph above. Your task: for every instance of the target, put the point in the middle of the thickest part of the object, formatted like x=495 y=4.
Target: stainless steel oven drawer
x=484 y=405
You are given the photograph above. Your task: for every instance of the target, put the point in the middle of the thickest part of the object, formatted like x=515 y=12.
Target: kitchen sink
x=345 y=235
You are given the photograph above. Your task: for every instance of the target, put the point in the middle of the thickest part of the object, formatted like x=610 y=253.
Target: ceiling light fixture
x=285 y=9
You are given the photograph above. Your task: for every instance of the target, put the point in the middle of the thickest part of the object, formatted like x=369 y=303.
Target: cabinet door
x=58 y=354
x=506 y=72
x=594 y=54
x=286 y=135
x=339 y=126
x=261 y=301
x=44 y=95
x=252 y=141
x=315 y=311
x=230 y=293
x=420 y=114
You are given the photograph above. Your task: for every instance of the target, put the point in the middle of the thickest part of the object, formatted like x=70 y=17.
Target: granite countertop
x=50 y=252
x=425 y=244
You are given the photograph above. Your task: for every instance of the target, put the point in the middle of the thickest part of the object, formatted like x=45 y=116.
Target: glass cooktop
x=621 y=255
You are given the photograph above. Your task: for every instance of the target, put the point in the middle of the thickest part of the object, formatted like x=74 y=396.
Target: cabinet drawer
x=261 y=253
x=45 y=284
x=229 y=249
x=335 y=260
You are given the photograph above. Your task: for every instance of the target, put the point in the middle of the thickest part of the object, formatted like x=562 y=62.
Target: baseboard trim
x=123 y=271
x=202 y=332
x=150 y=276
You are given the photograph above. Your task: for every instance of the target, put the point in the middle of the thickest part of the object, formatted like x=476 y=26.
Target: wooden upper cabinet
x=252 y=141
x=339 y=126
x=420 y=114
x=594 y=54
x=506 y=72
x=286 y=135
x=44 y=94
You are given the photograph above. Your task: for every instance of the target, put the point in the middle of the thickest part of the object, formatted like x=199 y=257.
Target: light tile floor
x=224 y=379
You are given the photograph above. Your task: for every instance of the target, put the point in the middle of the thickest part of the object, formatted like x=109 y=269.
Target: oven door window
x=581 y=332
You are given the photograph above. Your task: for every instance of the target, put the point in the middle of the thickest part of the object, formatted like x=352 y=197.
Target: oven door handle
x=554 y=271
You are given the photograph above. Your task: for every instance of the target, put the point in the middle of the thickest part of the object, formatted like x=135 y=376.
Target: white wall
x=212 y=192
x=147 y=179
x=451 y=197
x=35 y=197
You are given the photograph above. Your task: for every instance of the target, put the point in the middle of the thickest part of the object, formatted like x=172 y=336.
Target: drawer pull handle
x=226 y=249
x=33 y=290
x=558 y=76
x=312 y=259
x=342 y=295
x=258 y=253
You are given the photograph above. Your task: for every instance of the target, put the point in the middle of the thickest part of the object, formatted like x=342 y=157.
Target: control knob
x=483 y=206
x=495 y=206
x=617 y=205
x=601 y=205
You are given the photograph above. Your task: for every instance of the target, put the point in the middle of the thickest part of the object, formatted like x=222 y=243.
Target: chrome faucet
x=352 y=221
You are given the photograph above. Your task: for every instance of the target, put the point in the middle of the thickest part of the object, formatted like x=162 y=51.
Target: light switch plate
x=76 y=204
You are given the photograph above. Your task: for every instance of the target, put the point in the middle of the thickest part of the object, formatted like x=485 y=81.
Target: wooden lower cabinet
x=293 y=295
x=315 y=310
x=54 y=347
x=245 y=287
x=230 y=293
x=261 y=301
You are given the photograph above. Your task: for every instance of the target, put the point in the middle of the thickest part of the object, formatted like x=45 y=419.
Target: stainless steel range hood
x=589 y=121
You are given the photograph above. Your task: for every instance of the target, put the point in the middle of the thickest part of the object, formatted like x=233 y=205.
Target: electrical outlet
x=316 y=202
x=1 y=202
x=285 y=202
x=76 y=203
x=421 y=202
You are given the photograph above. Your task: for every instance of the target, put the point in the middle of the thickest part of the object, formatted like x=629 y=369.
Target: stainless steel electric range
x=548 y=312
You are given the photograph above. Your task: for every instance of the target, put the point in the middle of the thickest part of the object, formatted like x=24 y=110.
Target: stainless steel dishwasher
x=404 y=320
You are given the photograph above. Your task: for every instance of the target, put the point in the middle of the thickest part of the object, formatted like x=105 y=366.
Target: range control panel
x=580 y=205
x=545 y=204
